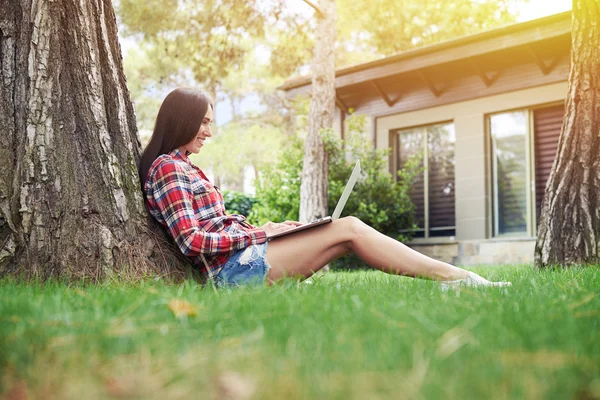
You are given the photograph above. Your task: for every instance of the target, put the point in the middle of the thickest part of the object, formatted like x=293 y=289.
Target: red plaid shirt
x=182 y=199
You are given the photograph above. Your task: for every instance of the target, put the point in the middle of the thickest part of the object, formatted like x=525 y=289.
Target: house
x=486 y=112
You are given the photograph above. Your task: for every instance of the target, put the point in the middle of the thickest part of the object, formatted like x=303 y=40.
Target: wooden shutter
x=547 y=125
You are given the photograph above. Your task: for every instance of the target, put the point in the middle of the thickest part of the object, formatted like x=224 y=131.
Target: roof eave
x=505 y=30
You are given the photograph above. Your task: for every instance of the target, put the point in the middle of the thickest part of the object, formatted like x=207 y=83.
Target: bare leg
x=304 y=253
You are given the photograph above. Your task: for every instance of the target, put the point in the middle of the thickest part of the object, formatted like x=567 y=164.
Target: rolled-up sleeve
x=172 y=191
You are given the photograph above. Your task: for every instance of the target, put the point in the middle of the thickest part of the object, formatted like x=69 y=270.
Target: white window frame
x=529 y=177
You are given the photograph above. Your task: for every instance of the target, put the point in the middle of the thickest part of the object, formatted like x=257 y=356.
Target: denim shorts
x=245 y=267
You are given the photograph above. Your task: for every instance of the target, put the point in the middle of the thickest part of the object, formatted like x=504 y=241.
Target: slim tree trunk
x=313 y=190
x=70 y=203
x=569 y=230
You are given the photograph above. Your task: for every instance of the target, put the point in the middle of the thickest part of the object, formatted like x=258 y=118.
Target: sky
x=542 y=8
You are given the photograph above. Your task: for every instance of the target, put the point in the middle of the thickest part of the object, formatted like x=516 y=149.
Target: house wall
x=473 y=243
x=463 y=81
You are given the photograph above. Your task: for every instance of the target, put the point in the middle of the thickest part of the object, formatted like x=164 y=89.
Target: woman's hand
x=276 y=227
x=292 y=223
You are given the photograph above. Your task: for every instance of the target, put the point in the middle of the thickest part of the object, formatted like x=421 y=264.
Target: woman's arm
x=172 y=191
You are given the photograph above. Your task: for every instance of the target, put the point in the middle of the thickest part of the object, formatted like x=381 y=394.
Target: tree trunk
x=70 y=203
x=313 y=190
x=569 y=228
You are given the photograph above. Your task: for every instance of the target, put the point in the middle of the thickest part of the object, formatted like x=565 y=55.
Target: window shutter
x=547 y=126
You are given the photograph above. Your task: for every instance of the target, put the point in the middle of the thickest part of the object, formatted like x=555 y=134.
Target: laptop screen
x=347 y=190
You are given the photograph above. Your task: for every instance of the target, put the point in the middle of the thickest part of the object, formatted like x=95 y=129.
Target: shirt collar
x=181 y=155
x=178 y=154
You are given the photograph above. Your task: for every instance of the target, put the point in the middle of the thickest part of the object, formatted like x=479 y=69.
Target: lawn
x=353 y=335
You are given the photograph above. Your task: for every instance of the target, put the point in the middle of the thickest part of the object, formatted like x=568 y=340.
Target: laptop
x=338 y=208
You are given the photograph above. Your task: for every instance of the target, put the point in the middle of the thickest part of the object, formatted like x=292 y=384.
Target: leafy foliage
x=378 y=199
x=391 y=26
x=233 y=48
x=140 y=71
x=207 y=37
x=238 y=49
x=238 y=145
x=238 y=203
x=190 y=42
x=278 y=187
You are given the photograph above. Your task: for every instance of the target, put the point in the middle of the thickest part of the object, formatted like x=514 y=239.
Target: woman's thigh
x=303 y=253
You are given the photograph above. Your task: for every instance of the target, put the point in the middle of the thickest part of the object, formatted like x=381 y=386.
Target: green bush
x=278 y=186
x=378 y=199
x=238 y=203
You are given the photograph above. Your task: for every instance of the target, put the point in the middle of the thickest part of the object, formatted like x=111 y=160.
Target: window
x=523 y=146
x=509 y=132
x=433 y=190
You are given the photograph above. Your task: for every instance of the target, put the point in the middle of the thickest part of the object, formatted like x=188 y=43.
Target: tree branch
x=315 y=7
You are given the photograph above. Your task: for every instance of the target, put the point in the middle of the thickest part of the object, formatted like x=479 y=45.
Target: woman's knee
x=355 y=226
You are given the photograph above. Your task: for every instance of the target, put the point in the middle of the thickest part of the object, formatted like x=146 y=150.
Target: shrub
x=278 y=186
x=238 y=203
x=378 y=199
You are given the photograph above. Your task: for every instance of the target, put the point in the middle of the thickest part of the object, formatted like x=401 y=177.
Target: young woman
x=229 y=250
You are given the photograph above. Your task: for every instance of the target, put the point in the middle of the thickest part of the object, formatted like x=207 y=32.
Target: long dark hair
x=177 y=123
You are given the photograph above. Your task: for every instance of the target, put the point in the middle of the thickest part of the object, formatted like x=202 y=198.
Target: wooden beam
x=384 y=95
x=436 y=92
x=341 y=105
x=546 y=68
x=487 y=80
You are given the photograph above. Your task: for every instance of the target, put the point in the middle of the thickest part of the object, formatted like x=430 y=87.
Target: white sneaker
x=472 y=280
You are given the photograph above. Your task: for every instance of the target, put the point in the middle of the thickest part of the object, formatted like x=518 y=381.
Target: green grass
x=361 y=335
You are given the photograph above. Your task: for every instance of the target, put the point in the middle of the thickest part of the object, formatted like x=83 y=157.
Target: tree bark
x=315 y=171
x=569 y=228
x=70 y=203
